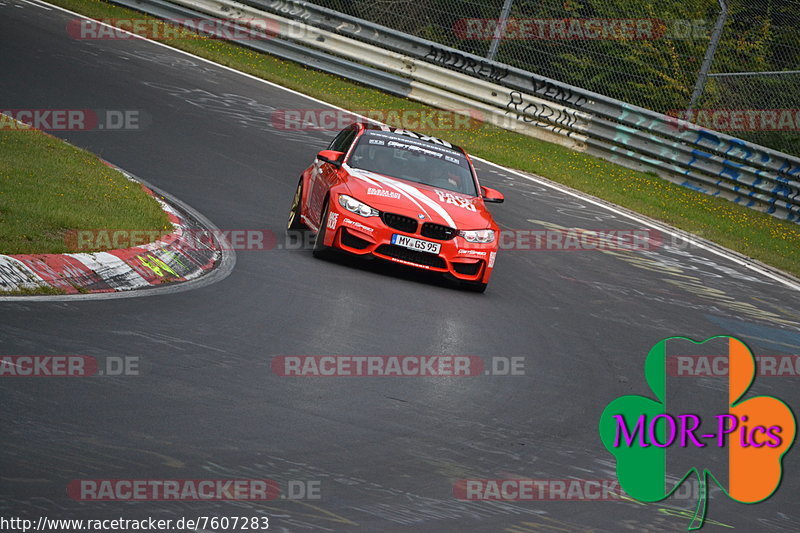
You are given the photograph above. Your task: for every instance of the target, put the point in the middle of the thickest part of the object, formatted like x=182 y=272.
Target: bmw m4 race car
x=403 y=197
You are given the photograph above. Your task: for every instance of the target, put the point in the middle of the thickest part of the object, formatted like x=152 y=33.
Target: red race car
x=403 y=197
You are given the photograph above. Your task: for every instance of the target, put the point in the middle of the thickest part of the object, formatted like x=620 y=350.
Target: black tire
x=321 y=251
x=473 y=287
x=295 y=222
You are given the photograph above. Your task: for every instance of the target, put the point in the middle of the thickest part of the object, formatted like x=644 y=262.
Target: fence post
x=498 y=32
x=702 y=76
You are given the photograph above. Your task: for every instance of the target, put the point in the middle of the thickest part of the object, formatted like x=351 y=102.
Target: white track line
x=585 y=197
x=34 y=4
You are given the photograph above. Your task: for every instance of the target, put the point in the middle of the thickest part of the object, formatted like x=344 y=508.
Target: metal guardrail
x=282 y=48
x=708 y=161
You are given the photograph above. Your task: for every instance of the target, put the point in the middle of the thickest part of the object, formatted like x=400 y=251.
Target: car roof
x=402 y=133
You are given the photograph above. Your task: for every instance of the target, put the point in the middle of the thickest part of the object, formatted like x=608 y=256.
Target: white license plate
x=416 y=244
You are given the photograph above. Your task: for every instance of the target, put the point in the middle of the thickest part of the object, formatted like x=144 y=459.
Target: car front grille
x=438 y=232
x=412 y=256
x=399 y=222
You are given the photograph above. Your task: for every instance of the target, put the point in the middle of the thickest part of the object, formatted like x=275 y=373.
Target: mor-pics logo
x=717 y=434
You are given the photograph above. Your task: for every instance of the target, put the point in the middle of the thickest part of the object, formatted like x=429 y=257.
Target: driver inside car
x=440 y=176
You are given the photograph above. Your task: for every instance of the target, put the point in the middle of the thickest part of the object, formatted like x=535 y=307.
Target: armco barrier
x=708 y=161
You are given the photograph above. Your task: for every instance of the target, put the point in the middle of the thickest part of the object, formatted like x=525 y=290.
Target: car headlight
x=477 y=235
x=359 y=208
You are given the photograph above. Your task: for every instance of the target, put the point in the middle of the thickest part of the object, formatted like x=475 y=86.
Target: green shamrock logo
x=755 y=434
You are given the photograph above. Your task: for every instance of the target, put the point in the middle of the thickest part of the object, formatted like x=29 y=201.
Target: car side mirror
x=331 y=156
x=491 y=195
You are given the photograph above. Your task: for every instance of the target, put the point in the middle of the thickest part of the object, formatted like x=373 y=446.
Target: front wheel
x=321 y=251
x=295 y=222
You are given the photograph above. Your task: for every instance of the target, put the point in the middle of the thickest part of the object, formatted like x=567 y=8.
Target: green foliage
x=657 y=73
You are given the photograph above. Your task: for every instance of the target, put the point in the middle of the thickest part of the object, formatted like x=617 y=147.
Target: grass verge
x=752 y=233
x=48 y=187
x=38 y=291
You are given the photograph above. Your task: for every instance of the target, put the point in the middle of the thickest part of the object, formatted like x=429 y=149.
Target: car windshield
x=413 y=160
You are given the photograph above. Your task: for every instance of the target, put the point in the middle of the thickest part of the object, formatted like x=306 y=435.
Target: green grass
x=37 y=291
x=49 y=187
x=752 y=233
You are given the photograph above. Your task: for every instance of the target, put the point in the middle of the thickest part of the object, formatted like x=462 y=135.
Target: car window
x=421 y=163
x=342 y=142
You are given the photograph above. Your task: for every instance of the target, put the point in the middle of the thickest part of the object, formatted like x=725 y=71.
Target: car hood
x=411 y=199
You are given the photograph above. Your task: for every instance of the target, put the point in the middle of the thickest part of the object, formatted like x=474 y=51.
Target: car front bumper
x=457 y=258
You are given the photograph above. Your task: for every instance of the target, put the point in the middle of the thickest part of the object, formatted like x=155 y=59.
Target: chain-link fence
x=646 y=53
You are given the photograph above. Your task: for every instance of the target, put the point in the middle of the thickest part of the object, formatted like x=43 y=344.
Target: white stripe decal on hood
x=433 y=205
x=383 y=180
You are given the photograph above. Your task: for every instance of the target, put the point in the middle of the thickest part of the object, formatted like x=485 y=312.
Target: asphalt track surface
x=386 y=451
